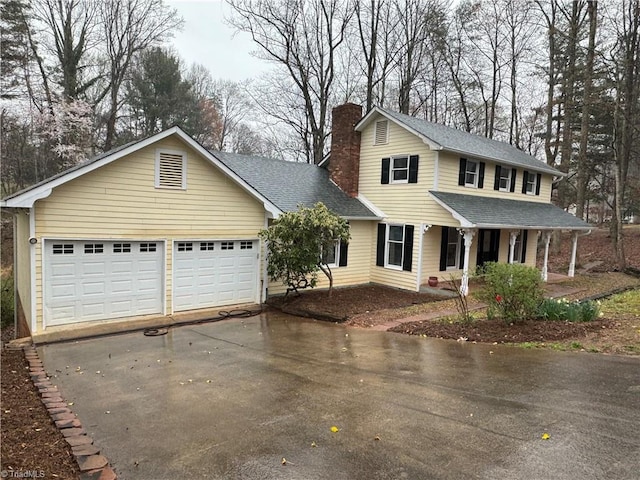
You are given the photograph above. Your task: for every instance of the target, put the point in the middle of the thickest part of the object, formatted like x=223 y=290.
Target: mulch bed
x=498 y=331
x=346 y=302
x=31 y=443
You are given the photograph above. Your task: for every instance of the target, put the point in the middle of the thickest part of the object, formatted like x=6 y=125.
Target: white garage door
x=95 y=280
x=214 y=273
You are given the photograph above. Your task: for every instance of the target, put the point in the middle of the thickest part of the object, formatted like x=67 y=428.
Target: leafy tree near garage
x=296 y=242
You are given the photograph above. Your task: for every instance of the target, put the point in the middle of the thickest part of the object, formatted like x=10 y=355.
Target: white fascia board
x=376 y=110
x=463 y=221
x=370 y=205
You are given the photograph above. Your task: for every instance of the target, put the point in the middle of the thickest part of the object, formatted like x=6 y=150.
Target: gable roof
x=280 y=186
x=491 y=212
x=289 y=184
x=26 y=198
x=441 y=137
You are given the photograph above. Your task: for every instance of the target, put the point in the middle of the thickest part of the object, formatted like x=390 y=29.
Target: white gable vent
x=171 y=169
x=382 y=132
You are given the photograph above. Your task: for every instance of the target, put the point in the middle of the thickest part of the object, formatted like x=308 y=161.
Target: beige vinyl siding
x=431 y=256
x=358 y=269
x=449 y=168
x=23 y=264
x=120 y=200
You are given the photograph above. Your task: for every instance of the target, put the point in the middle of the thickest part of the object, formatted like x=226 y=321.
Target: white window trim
x=391 y=169
x=336 y=250
x=458 y=248
x=183 y=154
x=476 y=174
x=386 y=247
x=533 y=184
x=375 y=131
x=508 y=187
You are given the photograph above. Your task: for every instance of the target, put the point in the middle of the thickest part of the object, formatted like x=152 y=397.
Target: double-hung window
x=454 y=244
x=395 y=246
x=530 y=185
x=400 y=169
x=395 y=242
x=471 y=174
x=505 y=179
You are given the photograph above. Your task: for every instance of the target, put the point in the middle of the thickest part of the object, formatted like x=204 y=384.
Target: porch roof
x=489 y=212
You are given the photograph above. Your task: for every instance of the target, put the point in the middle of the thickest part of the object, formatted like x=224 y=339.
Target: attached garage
x=89 y=280
x=208 y=273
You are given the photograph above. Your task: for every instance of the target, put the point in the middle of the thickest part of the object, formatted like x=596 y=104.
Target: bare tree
x=129 y=27
x=300 y=37
x=71 y=24
x=582 y=175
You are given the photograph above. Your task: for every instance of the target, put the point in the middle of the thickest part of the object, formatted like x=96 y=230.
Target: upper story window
x=171 y=169
x=471 y=173
x=400 y=169
x=381 y=134
x=505 y=179
x=531 y=183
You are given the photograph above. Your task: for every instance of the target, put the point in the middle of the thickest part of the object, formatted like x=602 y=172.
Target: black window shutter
x=481 y=176
x=496 y=181
x=413 y=169
x=523 y=256
x=525 y=175
x=514 y=174
x=538 y=180
x=385 y=170
x=344 y=251
x=461 y=262
x=462 y=172
x=407 y=254
x=444 y=239
x=382 y=237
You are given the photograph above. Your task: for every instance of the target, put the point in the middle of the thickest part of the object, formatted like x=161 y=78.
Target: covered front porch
x=487 y=229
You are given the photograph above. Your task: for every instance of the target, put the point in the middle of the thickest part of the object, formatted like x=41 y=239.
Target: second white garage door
x=214 y=273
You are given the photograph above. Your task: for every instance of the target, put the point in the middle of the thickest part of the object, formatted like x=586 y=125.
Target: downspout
x=15 y=274
x=32 y=267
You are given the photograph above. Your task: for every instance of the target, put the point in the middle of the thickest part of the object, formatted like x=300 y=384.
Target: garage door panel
x=95 y=280
x=217 y=273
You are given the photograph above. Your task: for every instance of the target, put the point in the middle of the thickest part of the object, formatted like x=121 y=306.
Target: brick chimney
x=344 y=166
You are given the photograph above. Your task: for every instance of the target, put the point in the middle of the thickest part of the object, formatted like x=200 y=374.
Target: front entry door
x=488 y=246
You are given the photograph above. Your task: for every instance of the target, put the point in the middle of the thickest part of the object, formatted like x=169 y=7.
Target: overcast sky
x=207 y=40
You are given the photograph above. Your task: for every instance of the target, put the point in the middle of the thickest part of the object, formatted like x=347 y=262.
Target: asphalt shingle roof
x=470 y=144
x=289 y=184
x=503 y=213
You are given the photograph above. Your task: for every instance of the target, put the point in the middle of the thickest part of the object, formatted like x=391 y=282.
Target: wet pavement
x=231 y=400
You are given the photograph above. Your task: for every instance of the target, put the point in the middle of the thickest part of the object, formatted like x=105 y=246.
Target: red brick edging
x=93 y=466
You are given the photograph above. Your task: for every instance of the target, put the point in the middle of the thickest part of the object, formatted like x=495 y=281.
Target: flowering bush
x=512 y=292
x=565 y=310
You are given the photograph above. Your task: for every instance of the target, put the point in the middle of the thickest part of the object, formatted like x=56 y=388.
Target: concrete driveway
x=232 y=399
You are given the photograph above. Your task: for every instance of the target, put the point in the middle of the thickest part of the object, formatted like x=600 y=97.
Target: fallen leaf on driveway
x=283 y=461
x=335 y=429
x=546 y=436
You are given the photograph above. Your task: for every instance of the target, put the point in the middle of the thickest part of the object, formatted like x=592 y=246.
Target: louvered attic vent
x=170 y=170
x=382 y=128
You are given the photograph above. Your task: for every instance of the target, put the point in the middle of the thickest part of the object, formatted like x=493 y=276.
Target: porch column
x=574 y=248
x=467 y=234
x=513 y=236
x=546 y=235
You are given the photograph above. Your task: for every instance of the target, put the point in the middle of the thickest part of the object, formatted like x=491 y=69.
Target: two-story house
x=163 y=226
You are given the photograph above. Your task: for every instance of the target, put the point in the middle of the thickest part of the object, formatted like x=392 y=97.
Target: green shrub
x=512 y=291
x=565 y=311
x=6 y=303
